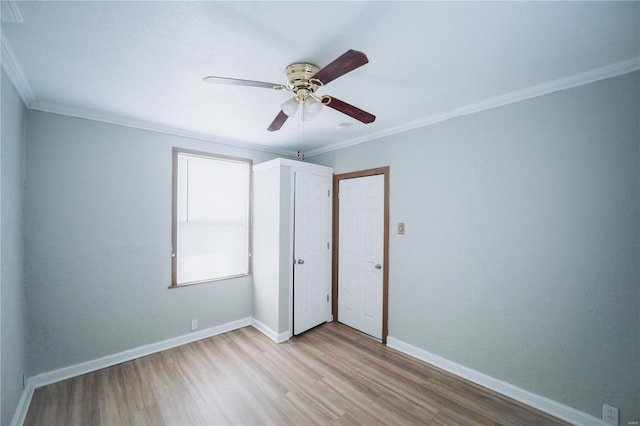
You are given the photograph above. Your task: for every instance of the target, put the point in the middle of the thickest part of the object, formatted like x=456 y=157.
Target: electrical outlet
x=610 y=414
x=194 y=324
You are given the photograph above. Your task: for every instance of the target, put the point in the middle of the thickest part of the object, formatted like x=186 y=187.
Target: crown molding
x=12 y=68
x=575 y=80
x=10 y=12
x=147 y=125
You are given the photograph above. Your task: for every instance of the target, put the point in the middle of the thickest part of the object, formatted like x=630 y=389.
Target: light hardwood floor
x=330 y=375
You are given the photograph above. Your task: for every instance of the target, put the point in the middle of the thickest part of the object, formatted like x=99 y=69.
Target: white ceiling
x=143 y=62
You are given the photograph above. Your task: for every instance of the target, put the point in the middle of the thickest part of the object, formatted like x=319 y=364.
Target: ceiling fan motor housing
x=300 y=79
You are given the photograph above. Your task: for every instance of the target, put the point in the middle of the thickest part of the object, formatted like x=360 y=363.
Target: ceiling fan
x=303 y=80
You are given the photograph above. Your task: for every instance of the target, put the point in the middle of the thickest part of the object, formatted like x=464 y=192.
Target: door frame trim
x=336 y=242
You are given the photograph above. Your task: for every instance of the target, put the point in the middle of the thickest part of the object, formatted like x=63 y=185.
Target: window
x=211 y=217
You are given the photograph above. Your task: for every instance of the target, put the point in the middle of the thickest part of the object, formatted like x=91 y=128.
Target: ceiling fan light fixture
x=311 y=108
x=304 y=79
x=290 y=107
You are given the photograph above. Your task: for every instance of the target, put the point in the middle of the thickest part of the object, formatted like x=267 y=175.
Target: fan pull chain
x=299 y=154
x=302 y=145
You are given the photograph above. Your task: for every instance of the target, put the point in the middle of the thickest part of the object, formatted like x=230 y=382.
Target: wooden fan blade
x=351 y=111
x=278 y=121
x=348 y=61
x=239 y=82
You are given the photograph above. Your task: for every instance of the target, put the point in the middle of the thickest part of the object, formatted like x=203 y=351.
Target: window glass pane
x=213 y=218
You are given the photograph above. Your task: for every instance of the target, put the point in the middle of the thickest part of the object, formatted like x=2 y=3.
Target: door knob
x=378 y=266
x=300 y=261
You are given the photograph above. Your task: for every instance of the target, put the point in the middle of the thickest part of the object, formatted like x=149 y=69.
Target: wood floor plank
x=331 y=375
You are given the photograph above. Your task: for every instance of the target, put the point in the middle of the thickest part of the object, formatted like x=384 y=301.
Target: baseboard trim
x=109 y=360
x=541 y=403
x=54 y=376
x=23 y=406
x=270 y=333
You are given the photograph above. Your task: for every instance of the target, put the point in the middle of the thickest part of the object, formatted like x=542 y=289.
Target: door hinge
x=327 y=297
x=329 y=193
x=327 y=245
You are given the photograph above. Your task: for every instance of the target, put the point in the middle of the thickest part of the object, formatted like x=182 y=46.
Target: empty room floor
x=331 y=375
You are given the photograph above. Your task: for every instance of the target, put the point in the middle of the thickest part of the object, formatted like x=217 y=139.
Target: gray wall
x=13 y=310
x=98 y=243
x=521 y=257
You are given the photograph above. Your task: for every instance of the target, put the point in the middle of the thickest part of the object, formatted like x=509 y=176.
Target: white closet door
x=312 y=251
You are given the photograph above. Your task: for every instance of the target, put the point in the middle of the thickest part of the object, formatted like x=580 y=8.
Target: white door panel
x=360 y=253
x=312 y=266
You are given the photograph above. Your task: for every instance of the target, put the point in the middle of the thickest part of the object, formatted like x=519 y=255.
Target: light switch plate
x=401 y=228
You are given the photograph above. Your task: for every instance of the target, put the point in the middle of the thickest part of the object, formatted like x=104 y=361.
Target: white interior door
x=312 y=251
x=360 y=253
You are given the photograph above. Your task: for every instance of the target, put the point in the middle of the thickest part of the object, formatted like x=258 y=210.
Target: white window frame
x=175 y=224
